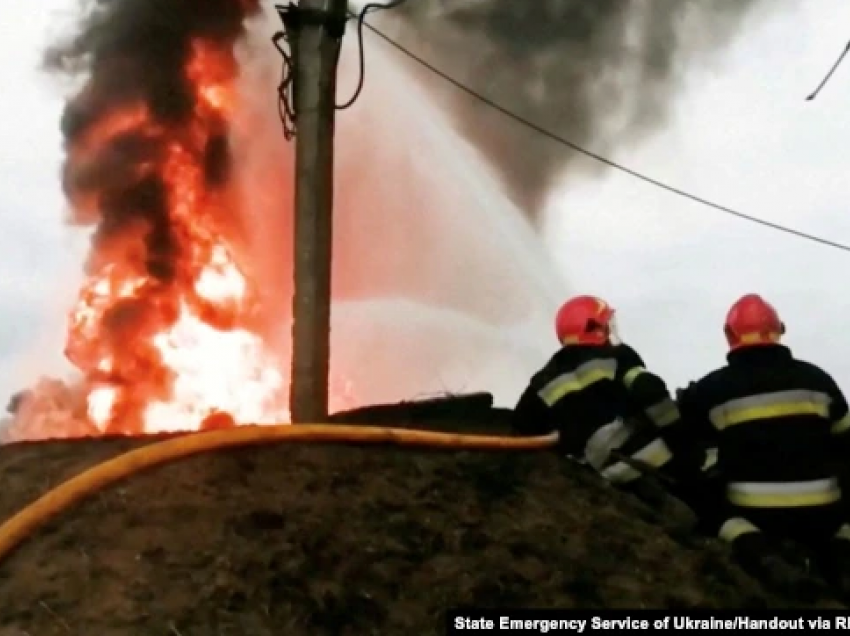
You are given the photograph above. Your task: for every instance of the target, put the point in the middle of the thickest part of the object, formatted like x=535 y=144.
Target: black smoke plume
x=130 y=54
x=600 y=73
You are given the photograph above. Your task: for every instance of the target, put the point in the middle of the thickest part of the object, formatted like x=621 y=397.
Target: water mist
x=440 y=283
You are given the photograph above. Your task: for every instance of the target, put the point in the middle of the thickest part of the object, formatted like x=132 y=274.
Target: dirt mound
x=338 y=539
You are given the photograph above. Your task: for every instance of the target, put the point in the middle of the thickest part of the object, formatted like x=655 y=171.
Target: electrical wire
x=361 y=51
x=599 y=158
x=829 y=75
x=292 y=18
x=283 y=42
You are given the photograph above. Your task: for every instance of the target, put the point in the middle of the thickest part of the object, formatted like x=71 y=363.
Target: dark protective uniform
x=781 y=427
x=602 y=397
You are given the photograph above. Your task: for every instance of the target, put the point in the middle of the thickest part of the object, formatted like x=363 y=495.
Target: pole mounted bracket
x=293 y=18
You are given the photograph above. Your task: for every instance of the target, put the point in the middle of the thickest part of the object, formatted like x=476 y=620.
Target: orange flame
x=163 y=353
x=168 y=341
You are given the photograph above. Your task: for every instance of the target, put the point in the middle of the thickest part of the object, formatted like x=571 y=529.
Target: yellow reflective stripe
x=734 y=528
x=664 y=412
x=599 y=446
x=632 y=375
x=819 y=492
x=654 y=454
x=755 y=337
x=843 y=532
x=581 y=378
x=841 y=425
x=770 y=405
x=710 y=459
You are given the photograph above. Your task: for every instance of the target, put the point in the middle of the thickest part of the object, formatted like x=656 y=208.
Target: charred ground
x=299 y=539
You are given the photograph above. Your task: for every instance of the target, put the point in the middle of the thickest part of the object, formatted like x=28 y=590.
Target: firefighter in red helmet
x=611 y=413
x=779 y=424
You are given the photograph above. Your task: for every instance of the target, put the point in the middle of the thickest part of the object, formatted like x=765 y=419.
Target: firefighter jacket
x=586 y=392
x=778 y=424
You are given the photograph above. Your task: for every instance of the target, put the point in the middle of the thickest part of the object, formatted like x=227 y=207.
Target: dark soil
x=292 y=540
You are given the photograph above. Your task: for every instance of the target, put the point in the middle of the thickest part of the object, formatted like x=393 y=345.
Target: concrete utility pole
x=316 y=52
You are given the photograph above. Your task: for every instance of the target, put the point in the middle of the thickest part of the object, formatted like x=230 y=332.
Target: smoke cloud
x=601 y=73
x=133 y=57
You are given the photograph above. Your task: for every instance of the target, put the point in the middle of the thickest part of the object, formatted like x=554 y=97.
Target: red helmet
x=584 y=320
x=752 y=321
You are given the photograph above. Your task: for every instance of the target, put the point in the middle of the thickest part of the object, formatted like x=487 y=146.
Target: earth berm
x=300 y=539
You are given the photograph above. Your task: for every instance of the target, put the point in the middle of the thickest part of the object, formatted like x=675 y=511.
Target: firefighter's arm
x=531 y=415
x=839 y=413
x=650 y=393
x=693 y=408
x=694 y=412
x=839 y=418
x=647 y=389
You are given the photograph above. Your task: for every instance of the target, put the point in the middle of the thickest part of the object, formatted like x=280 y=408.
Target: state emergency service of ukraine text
x=545 y=626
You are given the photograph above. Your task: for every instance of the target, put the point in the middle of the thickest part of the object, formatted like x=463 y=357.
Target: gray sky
x=40 y=257
x=743 y=136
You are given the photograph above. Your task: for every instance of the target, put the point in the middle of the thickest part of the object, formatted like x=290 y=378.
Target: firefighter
x=779 y=425
x=596 y=392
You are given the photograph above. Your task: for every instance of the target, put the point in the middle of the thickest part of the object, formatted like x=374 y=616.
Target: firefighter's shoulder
x=562 y=361
x=633 y=370
x=711 y=386
x=814 y=374
x=626 y=354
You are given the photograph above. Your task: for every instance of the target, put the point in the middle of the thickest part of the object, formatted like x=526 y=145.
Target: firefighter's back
x=772 y=415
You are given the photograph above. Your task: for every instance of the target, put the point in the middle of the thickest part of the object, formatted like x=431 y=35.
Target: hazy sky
x=743 y=136
x=40 y=257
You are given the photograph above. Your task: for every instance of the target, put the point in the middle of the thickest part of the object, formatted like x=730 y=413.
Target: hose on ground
x=14 y=531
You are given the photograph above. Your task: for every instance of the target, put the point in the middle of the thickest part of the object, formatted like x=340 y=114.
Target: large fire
x=164 y=348
x=167 y=327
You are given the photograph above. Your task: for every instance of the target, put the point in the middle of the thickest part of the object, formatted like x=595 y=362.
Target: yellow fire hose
x=14 y=531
